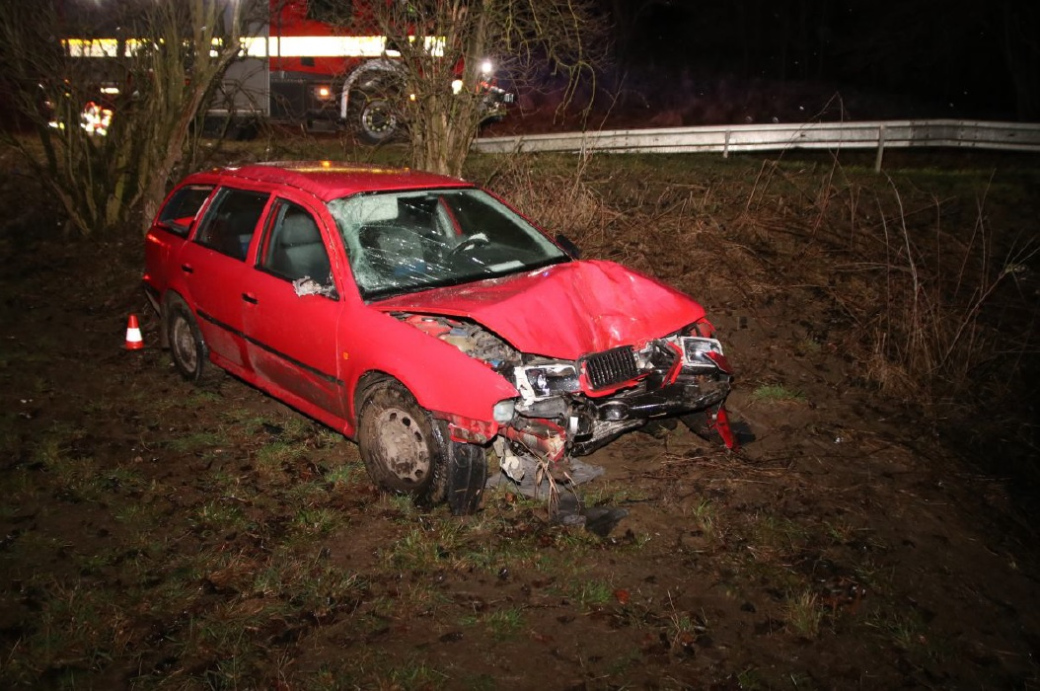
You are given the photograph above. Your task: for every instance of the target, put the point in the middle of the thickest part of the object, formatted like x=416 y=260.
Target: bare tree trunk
x=442 y=46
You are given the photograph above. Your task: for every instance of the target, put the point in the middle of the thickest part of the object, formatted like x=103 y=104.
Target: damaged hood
x=564 y=311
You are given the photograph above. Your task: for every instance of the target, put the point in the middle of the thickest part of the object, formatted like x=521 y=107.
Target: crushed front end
x=591 y=401
x=572 y=407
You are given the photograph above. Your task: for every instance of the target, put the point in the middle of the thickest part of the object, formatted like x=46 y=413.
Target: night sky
x=970 y=58
x=905 y=58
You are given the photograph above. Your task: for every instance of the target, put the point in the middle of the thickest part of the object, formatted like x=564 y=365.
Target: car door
x=214 y=268
x=291 y=323
x=170 y=231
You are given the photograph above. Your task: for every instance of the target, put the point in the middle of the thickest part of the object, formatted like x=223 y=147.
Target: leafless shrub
x=445 y=107
x=112 y=128
x=931 y=300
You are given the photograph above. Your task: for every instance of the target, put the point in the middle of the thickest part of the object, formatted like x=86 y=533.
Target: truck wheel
x=407 y=452
x=187 y=349
x=376 y=119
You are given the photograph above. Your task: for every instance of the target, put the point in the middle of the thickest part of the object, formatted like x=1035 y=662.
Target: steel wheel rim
x=183 y=341
x=407 y=453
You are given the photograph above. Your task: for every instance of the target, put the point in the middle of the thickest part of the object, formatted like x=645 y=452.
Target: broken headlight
x=504 y=411
x=704 y=352
x=542 y=381
x=695 y=350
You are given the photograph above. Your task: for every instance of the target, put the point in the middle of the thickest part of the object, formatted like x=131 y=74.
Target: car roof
x=329 y=180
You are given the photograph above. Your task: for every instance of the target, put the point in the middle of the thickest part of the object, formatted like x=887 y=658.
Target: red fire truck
x=319 y=63
x=313 y=63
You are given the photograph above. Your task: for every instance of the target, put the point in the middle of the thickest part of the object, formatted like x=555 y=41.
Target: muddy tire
x=187 y=349
x=407 y=452
x=461 y=480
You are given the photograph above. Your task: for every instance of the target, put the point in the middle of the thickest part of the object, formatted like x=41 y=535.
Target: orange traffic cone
x=133 y=334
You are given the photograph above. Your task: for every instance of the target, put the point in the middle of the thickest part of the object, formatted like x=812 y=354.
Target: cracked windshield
x=408 y=241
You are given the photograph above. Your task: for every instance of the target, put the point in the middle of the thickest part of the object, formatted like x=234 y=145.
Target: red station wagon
x=424 y=318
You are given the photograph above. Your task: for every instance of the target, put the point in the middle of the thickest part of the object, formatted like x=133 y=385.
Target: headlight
x=695 y=350
x=323 y=93
x=541 y=381
x=487 y=67
x=456 y=87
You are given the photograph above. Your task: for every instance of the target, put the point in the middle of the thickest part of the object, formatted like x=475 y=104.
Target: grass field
x=876 y=534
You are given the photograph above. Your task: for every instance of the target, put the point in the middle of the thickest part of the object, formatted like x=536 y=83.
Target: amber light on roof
x=331 y=167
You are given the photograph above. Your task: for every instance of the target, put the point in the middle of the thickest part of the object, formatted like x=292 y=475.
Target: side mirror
x=568 y=246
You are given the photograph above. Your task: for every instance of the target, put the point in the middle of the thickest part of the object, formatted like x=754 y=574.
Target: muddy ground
x=154 y=534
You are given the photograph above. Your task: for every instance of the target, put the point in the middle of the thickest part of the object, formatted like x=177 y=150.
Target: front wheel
x=406 y=451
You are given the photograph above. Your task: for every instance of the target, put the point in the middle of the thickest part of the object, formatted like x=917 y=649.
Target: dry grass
x=935 y=331
x=921 y=277
x=166 y=537
x=562 y=202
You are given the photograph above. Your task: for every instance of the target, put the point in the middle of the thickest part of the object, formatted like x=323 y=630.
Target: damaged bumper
x=575 y=407
x=661 y=381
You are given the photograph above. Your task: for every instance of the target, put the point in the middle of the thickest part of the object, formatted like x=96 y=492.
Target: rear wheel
x=406 y=451
x=187 y=349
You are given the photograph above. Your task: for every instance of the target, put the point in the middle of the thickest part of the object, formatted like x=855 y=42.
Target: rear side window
x=182 y=208
x=230 y=223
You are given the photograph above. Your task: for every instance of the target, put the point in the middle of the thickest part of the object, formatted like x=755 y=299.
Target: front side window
x=400 y=242
x=230 y=223
x=295 y=248
x=183 y=206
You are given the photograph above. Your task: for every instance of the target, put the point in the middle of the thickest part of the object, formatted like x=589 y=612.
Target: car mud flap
x=570 y=510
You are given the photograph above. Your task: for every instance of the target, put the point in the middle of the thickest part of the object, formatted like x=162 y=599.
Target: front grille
x=611 y=367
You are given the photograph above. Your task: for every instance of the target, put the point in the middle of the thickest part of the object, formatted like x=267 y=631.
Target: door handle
x=187 y=268
x=251 y=299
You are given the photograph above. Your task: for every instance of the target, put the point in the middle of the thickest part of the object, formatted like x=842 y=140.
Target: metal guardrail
x=880 y=135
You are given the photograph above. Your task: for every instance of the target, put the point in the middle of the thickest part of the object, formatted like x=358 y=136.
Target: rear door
x=170 y=230
x=293 y=308
x=214 y=269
